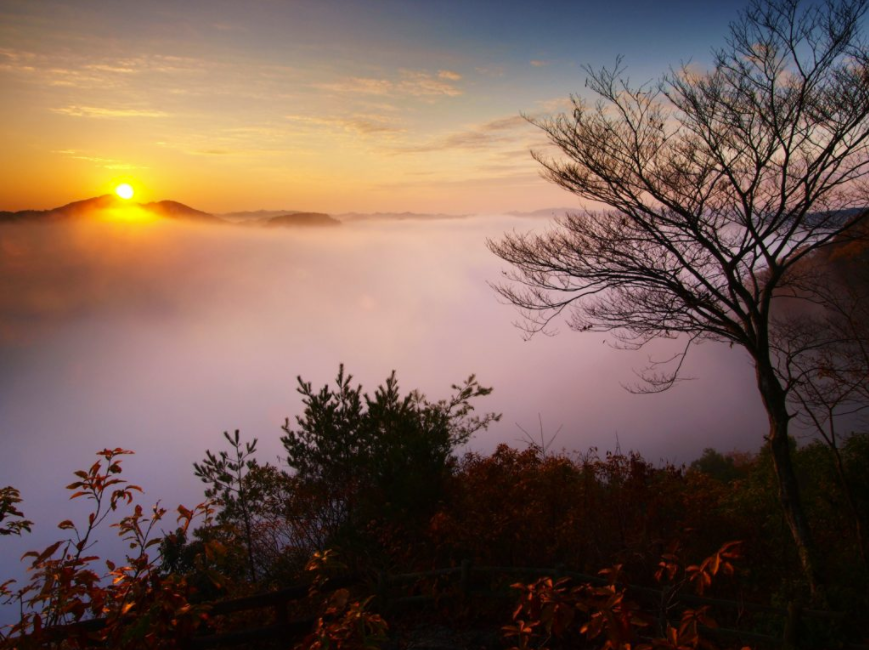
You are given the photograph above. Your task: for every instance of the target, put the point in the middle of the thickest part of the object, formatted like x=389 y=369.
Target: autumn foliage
x=665 y=534
x=136 y=603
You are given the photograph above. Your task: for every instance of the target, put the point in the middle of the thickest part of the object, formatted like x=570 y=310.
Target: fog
x=157 y=337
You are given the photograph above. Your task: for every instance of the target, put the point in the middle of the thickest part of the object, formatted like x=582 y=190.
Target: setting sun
x=125 y=191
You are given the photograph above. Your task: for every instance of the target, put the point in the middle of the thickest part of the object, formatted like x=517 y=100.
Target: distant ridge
x=171 y=210
x=176 y=210
x=301 y=220
x=83 y=209
x=74 y=210
x=545 y=212
x=397 y=216
x=254 y=215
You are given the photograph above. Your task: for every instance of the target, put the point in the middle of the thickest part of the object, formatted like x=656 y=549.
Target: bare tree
x=719 y=184
x=822 y=353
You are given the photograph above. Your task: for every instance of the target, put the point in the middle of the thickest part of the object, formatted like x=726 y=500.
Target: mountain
x=301 y=219
x=74 y=210
x=86 y=208
x=254 y=215
x=545 y=212
x=172 y=210
x=179 y=211
x=396 y=216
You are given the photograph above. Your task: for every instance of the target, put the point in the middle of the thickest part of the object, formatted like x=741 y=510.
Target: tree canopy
x=719 y=184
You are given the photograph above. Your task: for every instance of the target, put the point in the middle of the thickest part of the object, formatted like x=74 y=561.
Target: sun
x=125 y=191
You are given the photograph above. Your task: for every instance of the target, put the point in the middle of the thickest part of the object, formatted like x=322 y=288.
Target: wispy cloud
x=105 y=163
x=539 y=63
x=409 y=82
x=556 y=105
x=477 y=181
x=361 y=124
x=17 y=61
x=118 y=68
x=495 y=72
x=482 y=136
x=99 y=112
x=98 y=71
x=257 y=141
x=449 y=75
x=360 y=85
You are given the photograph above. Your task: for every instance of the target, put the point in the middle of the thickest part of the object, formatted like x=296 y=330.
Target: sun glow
x=125 y=191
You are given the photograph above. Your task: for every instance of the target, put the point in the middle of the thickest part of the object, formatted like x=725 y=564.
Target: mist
x=157 y=337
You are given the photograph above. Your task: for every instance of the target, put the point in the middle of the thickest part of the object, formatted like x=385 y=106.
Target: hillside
x=87 y=208
x=301 y=220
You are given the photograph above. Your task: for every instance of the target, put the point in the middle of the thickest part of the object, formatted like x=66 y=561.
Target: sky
x=159 y=336
x=330 y=106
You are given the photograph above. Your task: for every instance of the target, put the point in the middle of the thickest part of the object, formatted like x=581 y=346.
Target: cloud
x=490 y=72
x=254 y=140
x=105 y=163
x=361 y=124
x=409 y=83
x=98 y=112
x=498 y=178
x=103 y=72
x=420 y=84
x=369 y=126
x=360 y=85
x=556 y=105
x=539 y=63
x=449 y=75
x=504 y=124
x=482 y=136
x=16 y=61
x=116 y=68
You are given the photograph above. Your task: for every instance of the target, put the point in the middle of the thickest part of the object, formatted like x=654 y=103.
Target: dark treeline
x=375 y=483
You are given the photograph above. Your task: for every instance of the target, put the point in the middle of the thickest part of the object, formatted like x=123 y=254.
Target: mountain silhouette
x=301 y=219
x=87 y=208
x=172 y=210
x=74 y=210
x=179 y=211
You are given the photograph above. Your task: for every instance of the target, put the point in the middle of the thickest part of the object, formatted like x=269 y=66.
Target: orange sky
x=339 y=106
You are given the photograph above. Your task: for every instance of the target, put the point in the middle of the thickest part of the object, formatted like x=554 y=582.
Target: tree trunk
x=775 y=401
x=849 y=497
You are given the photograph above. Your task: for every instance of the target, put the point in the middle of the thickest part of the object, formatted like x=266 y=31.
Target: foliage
x=525 y=509
x=721 y=185
x=511 y=509
x=554 y=613
x=139 y=606
x=9 y=497
x=825 y=357
x=344 y=623
x=226 y=475
x=721 y=467
x=365 y=470
x=382 y=456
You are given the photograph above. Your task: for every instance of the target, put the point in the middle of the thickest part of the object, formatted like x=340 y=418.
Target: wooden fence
x=277 y=603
